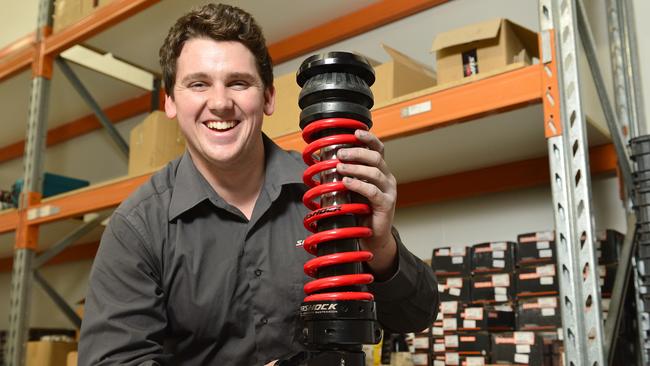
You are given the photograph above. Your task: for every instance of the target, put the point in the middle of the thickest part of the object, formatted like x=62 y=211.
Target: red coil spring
x=317 y=189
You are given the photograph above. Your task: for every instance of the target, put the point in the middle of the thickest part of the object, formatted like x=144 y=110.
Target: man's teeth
x=221 y=125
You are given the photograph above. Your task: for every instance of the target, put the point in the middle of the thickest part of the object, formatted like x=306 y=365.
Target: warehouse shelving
x=522 y=88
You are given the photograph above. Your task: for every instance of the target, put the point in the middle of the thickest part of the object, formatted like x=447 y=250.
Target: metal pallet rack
x=554 y=83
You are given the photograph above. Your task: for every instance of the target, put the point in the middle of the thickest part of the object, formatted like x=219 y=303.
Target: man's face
x=220 y=101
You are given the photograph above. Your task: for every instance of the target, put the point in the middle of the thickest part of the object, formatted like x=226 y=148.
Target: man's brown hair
x=219 y=22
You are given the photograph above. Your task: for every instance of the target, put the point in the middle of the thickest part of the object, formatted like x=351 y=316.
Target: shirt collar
x=191 y=188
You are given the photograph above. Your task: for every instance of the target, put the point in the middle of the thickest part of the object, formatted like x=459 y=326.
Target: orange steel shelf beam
x=506 y=177
x=70 y=254
x=116 y=113
x=17 y=61
x=502 y=178
x=8 y=220
x=101 y=19
x=91 y=199
x=17 y=56
x=358 y=22
x=466 y=102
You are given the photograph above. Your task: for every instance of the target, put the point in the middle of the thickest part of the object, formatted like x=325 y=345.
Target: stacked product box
x=538 y=309
x=501 y=300
x=421 y=355
x=452 y=266
x=520 y=348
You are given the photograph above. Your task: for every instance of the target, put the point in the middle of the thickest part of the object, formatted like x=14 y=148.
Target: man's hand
x=367 y=174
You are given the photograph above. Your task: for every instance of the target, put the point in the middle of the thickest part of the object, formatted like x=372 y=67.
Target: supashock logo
x=318 y=307
x=323 y=211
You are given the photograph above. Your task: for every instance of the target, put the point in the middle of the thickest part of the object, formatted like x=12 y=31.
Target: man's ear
x=170 y=107
x=269 y=100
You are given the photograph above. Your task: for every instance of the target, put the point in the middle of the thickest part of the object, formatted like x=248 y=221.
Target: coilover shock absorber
x=337 y=316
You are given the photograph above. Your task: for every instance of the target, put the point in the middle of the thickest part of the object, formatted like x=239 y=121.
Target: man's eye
x=239 y=85
x=198 y=85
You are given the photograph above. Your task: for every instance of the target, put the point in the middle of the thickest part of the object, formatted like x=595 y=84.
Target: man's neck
x=238 y=184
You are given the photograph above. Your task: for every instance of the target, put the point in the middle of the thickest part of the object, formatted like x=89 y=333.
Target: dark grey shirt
x=183 y=278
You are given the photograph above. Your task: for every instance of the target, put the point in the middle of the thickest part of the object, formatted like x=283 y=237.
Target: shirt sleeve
x=125 y=317
x=408 y=301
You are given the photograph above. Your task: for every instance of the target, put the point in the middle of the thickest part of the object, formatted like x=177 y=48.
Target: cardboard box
x=492 y=288
x=154 y=142
x=46 y=353
x=451 y=261
x=537 y=281
x=286 y=117
x=608 y=246
x=454 y=289
x=73 y=358
x=493 y=257
x=521 y=348
x=481 y=48
x=66 y=12
x=402 y=75
x=535 y=252
x=487 y=318
x=463 y=343
x=542 y=313
x=454 y=358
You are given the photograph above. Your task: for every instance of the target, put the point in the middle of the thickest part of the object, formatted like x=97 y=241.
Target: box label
x=501 y=280
x=449 y=324
x=449 y=307
x=474 y=361
x=455 y=282
x=524 y=338
x=457 y=260
x=498 y=254
x=546 y=253
x=454 y=291
x=521 y=358
x=543 y=245
x=546 y=280
x=523 y=348
x=452 y=358
x=474 y=313
x=548 y=311
x=468 y=323
x=457 y=251
x=547 y=270
x=547 y=302
x=498 y=263
x=421 y=342
x=416 y=109
x=451 y=341
x=439 y=347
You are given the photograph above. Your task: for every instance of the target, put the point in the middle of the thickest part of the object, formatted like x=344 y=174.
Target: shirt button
x=258 y=272
x=265 y=321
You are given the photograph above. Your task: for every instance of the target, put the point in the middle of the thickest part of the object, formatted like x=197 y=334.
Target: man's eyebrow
x=242 y=75
x=194 y=76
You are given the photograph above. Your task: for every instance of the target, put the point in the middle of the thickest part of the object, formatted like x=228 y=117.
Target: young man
x=202 y=265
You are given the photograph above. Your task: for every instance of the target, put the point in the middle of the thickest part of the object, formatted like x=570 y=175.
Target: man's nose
x=219 y=99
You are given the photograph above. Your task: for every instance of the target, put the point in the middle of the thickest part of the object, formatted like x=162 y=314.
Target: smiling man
x=201 y=265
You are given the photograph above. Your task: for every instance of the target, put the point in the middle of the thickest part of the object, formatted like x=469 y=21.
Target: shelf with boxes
x=500 y=300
